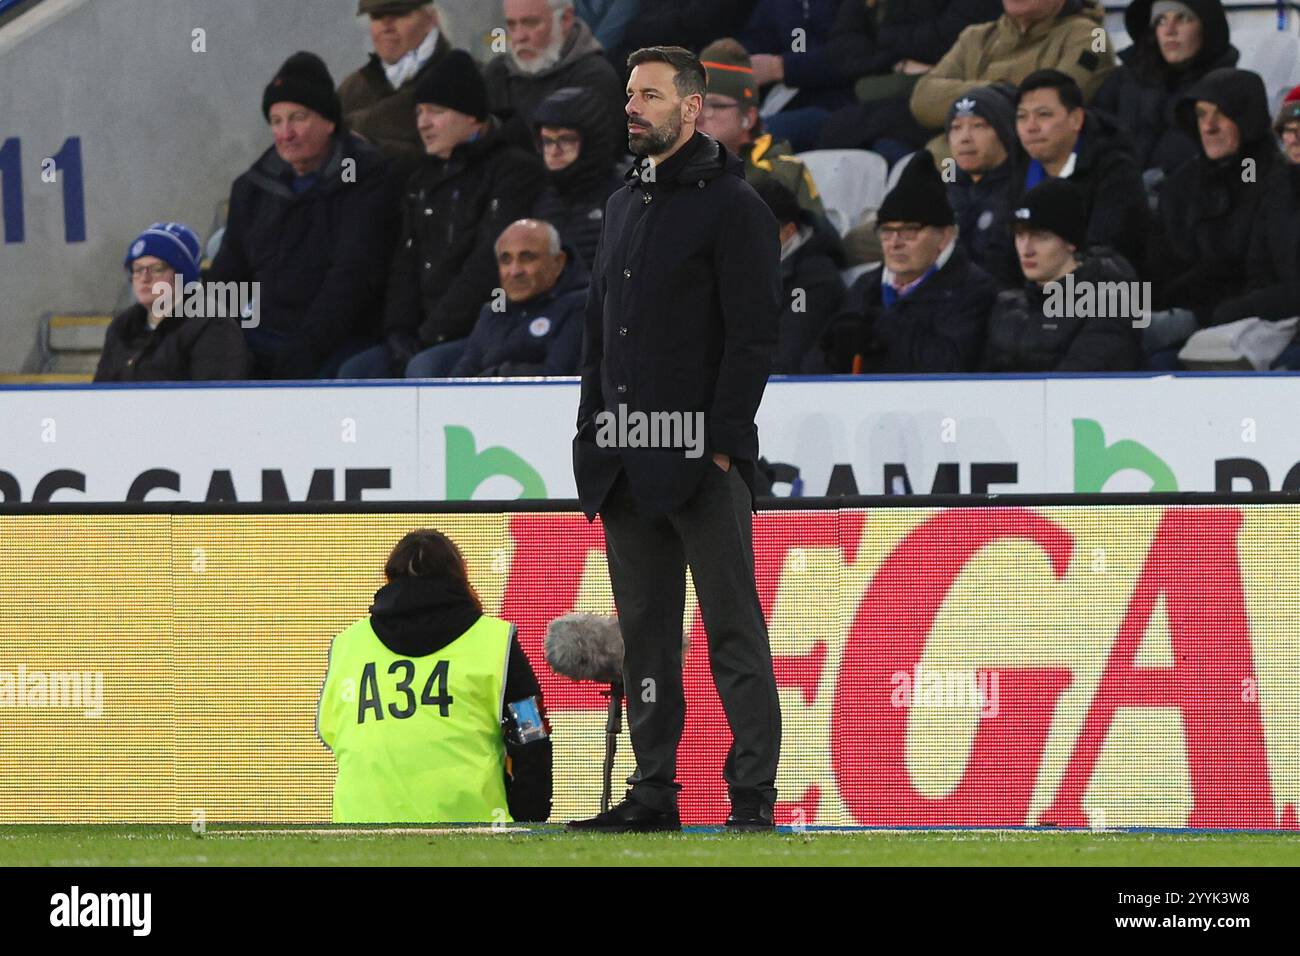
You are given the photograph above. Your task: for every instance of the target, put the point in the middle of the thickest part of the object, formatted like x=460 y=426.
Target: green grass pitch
x=248 y=845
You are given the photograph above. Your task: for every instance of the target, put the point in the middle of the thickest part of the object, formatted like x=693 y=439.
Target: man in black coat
x=1062 y=139
x=1209 y=206
x=812 y=259
x=925 y=309
x=680 y=327
x=472 y=184
x=312 y=222
x=1061 y=319
x=1273 y=265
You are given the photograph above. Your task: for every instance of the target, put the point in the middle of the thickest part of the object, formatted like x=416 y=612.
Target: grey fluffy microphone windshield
x=585 y=647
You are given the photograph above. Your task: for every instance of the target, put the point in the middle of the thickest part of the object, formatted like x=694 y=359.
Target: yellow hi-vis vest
x=417 y=739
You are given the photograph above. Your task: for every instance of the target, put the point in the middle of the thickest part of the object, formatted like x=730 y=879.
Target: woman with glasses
x=153 y=340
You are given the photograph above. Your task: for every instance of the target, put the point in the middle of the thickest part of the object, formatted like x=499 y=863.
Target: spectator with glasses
x=575 y=143
x=926 y=309
x=153 y=341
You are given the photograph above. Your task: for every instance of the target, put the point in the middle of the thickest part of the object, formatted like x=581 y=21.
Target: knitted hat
x=173 y=242
x=995 y=104
x=304 y=79
x=730 y=71
x=1290 y=110
x=918 y=196
x=389 y=6
x=1058 y=206
x=455 y=82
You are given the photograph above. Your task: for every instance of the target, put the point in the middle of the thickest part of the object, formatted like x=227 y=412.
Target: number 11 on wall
x=66 y=161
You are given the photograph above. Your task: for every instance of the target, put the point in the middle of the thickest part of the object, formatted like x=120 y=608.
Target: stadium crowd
x=428 y=217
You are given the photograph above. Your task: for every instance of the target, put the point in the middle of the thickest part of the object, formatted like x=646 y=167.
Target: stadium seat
x=853 y=274
x=70 y=343
x=1272 y=54
x=851 y=182
x=896 y=172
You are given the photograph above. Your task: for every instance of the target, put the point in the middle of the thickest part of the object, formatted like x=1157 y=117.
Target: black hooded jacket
x=418 y=616
x=453 y=212
x=1273 y=265
x=575 y=196
x=1022 y=337
x=1112 y=184
x=867 y=40
x=1208 y=208
x=983 y=214
x=1144 y=92
x=321 y=256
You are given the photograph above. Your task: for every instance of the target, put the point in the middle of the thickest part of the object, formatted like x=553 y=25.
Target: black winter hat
x=918 y=196
x=306 y=80
x=995 y=104
x=1058 y=206
x=455 y=82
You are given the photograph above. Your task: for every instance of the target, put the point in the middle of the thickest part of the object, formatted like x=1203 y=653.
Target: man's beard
x=657 y=139
x=546 y=58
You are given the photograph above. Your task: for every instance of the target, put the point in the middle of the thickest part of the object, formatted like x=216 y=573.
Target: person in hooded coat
x=421 y=702
x=1273 y=263
x=1174 y=45
x=1209 y=205
x=577 y=186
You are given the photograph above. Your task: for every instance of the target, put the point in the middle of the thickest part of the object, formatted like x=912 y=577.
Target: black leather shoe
x=629 y=817
x=747 y=818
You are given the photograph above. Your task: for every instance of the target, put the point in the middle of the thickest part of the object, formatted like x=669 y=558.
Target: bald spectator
x=550 y=48
x=537 y=330
x=730 y=116
x=1066 y=35
x=379 y=99
x=471 y=185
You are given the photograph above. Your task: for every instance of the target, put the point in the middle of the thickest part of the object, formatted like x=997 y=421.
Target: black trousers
x=648 y=556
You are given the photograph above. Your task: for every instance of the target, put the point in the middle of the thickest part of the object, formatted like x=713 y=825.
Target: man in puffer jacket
x=575 y=144
x=1174 y=45
x=538 y=329
x=1209 y=206
x=1030 y=35
x=1039 y=328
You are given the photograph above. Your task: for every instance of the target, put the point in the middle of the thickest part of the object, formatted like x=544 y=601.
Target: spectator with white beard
x=550 y=48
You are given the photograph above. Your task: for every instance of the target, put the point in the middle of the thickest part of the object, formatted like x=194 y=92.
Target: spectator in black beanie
x=925 y=309
x=982 y=140
x=1033 y=328
x=812 y=257
x=313 y=223
x=472 y=184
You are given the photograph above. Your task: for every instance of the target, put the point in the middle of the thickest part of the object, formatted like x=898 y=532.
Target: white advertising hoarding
x=505 y=440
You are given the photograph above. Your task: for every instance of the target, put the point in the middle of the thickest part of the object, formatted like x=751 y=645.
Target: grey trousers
x=713 y=534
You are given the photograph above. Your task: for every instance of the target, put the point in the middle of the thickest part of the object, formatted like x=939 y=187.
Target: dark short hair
x=785 y=207
x=1067 y=89
x=689 y=77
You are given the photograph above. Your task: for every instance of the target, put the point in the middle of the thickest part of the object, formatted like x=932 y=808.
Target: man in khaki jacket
x=1065 y=35
x=379 y=99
